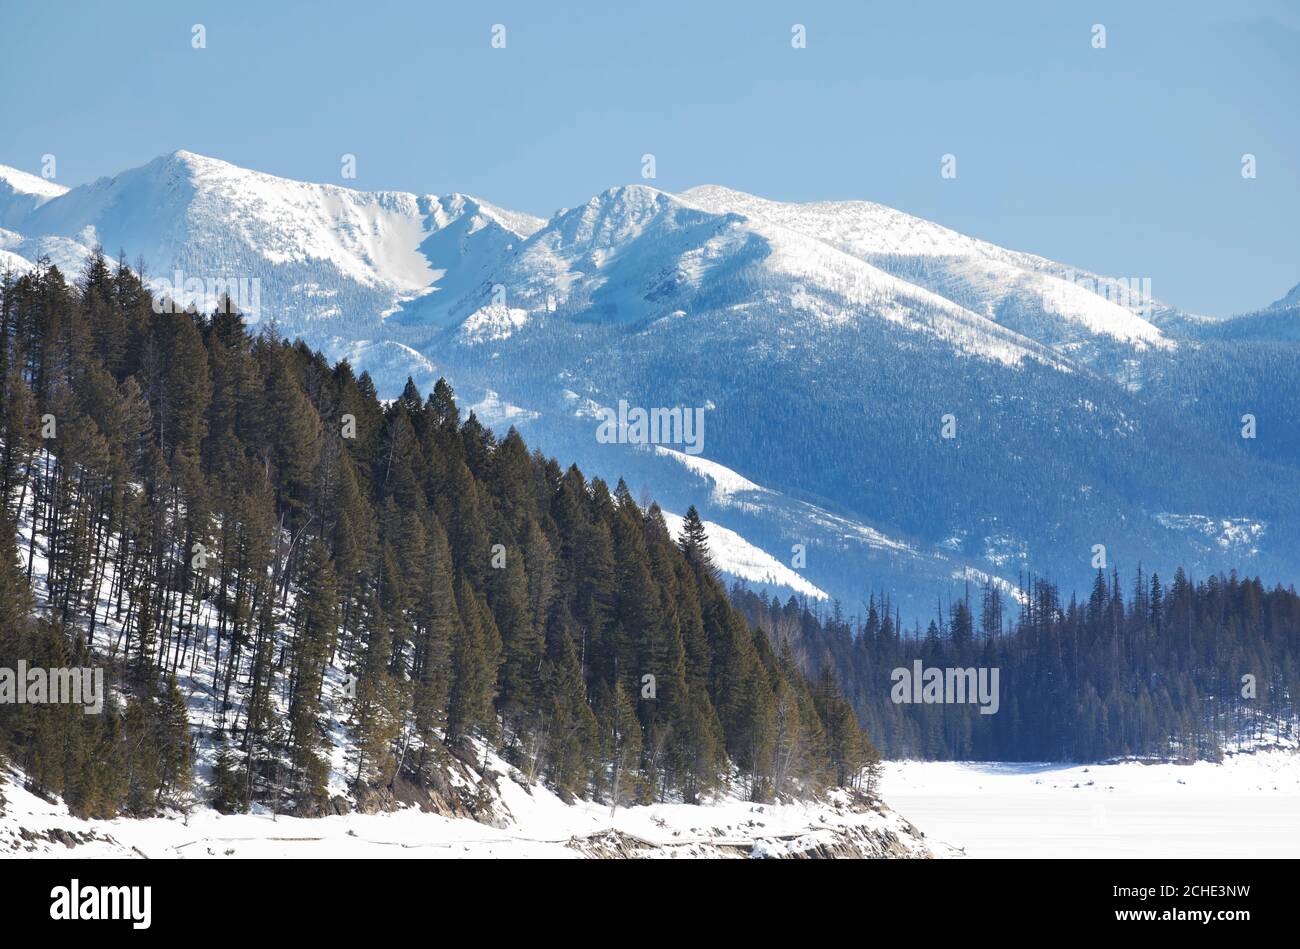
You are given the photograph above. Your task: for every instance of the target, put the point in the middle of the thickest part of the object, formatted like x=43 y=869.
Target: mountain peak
x=620 y=214
x=632 y=198
x=455 y=204
x=197 y=162
x=205 y=167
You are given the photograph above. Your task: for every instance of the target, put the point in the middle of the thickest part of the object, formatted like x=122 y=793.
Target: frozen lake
x=1246 y=807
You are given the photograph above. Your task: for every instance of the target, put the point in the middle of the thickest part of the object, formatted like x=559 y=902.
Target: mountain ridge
x=793 y=326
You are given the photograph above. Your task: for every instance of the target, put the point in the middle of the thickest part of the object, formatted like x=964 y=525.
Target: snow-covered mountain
x=336 y=260
x=825 y=376
x=1041 y=299
x=830 y=348
x=328 y=258
x=634 y=255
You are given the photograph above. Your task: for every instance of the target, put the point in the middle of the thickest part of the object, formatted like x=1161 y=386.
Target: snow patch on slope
x=726 y=483
x=495 y=412
x=1229 y=534
x=734 y=555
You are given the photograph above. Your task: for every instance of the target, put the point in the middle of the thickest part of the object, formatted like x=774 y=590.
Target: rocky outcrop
x=853 y=829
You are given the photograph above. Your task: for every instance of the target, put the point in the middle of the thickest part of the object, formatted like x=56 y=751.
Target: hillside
x=305 y=600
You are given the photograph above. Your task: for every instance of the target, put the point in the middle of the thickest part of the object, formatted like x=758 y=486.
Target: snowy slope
x=739 y=558
x=22 y=193
x=11 y=262
x=1005 y=285
x=66 y=253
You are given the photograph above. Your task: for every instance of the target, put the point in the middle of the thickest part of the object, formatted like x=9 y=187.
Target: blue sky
x=1124 y=160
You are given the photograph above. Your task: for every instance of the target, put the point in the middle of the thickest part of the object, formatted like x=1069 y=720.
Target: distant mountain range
x=831 y=347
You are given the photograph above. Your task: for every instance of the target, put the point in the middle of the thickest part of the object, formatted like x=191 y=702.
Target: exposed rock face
x=842 y=824
x=613 y=844
x=457 y=786
x=837 y=845
x=851 y=826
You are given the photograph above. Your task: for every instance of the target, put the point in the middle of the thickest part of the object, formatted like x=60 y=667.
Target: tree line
x=1186 y=670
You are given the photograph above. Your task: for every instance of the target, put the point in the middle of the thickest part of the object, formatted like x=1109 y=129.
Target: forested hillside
x=183 y=499
x=1185 y=669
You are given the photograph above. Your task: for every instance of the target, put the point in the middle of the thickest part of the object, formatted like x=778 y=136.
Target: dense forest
x=184 y=502
x=1160 y=672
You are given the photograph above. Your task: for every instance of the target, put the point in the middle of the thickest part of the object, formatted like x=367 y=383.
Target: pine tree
x=474 y=658
x=315 y=626
x=437 y=619
x=378 y=709
x=623 y=745
x=569 y=747
x=694 y=543
x=175 y=753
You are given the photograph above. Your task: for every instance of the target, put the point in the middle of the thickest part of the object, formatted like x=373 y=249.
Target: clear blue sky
x=1125 y=160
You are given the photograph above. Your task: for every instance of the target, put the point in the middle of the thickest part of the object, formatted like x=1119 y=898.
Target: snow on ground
x=534 y=823
x=1249 y=806
x=726 y=483
x=496 y=413
x=194 y=659
x=734 y=555
x=1231 y=534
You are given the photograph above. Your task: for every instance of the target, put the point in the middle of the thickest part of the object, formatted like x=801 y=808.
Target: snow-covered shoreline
x=533 y=823
x=1245 y=807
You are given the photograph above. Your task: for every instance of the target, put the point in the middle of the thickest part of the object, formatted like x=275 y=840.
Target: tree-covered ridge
x=175 y=477
x=1161 y=673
